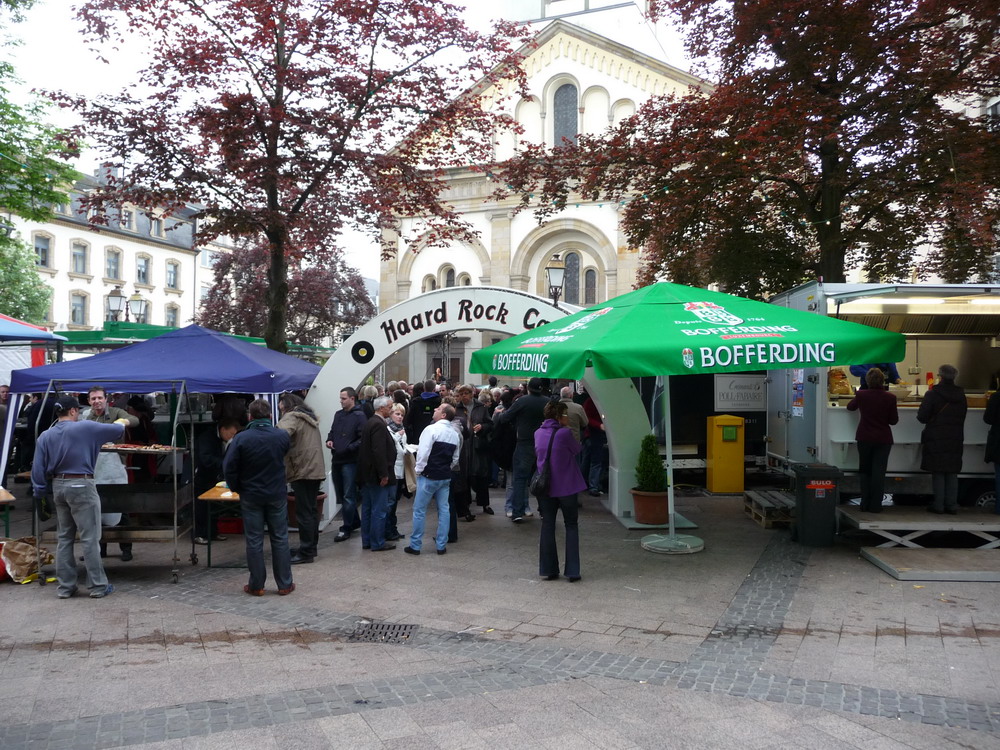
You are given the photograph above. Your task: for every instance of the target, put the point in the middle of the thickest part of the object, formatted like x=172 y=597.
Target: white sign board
x=739 y=393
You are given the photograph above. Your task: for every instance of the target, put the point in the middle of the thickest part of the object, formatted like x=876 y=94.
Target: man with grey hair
x=376 y=475
x=577 y=416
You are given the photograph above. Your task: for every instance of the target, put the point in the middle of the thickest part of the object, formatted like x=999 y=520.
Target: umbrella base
x=675 y=544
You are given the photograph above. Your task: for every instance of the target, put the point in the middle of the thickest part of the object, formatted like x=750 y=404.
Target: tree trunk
x=829 y=229
x=277 y=296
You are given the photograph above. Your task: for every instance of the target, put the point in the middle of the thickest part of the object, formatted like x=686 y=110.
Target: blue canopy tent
x=189 y=360
x=12 y=329
x=206 y=361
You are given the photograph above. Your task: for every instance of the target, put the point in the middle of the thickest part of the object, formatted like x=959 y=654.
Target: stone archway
x=487 y=309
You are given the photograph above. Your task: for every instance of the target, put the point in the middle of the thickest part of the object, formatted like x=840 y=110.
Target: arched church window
x=429 y=284
x=590 y=287
x=449 y=277
x=571 y=288
x=566 y=110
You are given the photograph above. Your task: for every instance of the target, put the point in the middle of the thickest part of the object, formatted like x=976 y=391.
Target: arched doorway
x=487 y=309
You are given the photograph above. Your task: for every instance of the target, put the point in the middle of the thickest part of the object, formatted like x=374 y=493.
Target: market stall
x=187 y=361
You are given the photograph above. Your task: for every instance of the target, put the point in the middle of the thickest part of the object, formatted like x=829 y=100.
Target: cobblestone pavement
x=750 y=643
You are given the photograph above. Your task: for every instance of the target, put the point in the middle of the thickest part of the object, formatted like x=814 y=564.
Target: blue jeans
x=374 y=503
x=78 y=508
x=273 y=510
x=438 y=489
x=597 y=452
x=524 y=467
x=344 y=478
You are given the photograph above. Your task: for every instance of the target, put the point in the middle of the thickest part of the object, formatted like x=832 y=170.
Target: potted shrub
x=649 y=496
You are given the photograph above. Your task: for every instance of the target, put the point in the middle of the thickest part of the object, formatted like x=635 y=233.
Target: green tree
x=836 y=135
x=23 y=294
x=33 y=172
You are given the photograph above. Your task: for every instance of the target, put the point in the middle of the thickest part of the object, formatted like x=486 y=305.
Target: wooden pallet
x=769 y=508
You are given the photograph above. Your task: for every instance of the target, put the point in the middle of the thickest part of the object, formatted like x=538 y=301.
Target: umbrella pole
x=671 y=543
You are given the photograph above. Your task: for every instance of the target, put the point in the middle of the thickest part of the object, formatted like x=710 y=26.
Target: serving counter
x=154 y=509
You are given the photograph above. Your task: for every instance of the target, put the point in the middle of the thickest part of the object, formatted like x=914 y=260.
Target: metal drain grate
x=382 y=632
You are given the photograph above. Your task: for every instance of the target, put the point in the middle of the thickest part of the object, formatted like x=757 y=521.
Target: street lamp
x=136 y=306
x=116 y=303
x=555 y=272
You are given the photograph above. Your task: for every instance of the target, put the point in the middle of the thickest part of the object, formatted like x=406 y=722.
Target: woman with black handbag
x=555 y=457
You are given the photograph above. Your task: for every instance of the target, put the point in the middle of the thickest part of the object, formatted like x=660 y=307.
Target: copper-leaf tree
x=834 y=134
x=323 y=295
x=292 y=120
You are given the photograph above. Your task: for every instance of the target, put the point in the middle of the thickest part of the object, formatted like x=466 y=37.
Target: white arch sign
x=475 y=308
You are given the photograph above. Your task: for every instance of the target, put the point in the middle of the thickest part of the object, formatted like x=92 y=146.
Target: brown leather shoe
x=286 y=592
x=253 y=592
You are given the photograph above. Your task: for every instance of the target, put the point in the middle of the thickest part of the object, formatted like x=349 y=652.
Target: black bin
x=817 y=492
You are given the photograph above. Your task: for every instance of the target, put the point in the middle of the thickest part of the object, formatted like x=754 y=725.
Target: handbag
x=539 y=485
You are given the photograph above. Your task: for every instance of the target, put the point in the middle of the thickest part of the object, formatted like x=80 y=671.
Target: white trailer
x=956 y=324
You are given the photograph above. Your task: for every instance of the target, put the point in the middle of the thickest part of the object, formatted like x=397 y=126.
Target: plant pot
x=651 y=507
x=293 y=521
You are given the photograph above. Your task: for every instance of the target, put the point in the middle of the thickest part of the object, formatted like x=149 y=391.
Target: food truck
x=957 y=324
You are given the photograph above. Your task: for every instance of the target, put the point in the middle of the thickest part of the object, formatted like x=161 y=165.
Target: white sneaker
x=528 y=514
x=510 y=514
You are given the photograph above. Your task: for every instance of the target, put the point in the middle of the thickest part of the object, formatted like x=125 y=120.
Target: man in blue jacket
x=255 y=468
x=344 y=441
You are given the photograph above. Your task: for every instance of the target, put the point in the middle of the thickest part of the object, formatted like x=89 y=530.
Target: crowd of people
x=434 y=444
x=942 y=441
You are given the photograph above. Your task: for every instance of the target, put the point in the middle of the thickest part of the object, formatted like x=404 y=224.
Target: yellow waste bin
x=724 y=467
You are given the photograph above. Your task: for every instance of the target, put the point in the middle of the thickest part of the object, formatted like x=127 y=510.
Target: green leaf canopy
x=672 y=329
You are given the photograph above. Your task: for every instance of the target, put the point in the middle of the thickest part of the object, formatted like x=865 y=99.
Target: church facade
x=580 y=81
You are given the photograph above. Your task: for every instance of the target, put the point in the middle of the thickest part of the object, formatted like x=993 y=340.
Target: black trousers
x=307 y=514
x=548 y=554
x=873 y=458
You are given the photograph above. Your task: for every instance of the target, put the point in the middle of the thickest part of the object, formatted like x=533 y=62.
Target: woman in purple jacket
x=566 y=482
x=874 y=437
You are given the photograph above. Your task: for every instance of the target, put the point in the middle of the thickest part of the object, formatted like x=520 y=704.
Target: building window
x=156 y=227
x=429 y=285
x=142 y=270
x=571 y=285
x=173 y=273
x=205 y=289
x=449 y=277
x=128 y=219
x=112 y=263
x=79 y=256
x=590 y=287
x=43 y=247
x=209 y=258
x=170 y=316
x=78 y=309
x=566 y=113
x=59 y=208
x=464 y=280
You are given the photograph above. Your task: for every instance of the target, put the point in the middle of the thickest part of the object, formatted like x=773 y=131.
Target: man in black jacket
x=377 y=476
x=210 y=447
x=526 y=415
x=420 y=413
x=254 y=467
x=345 y=441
